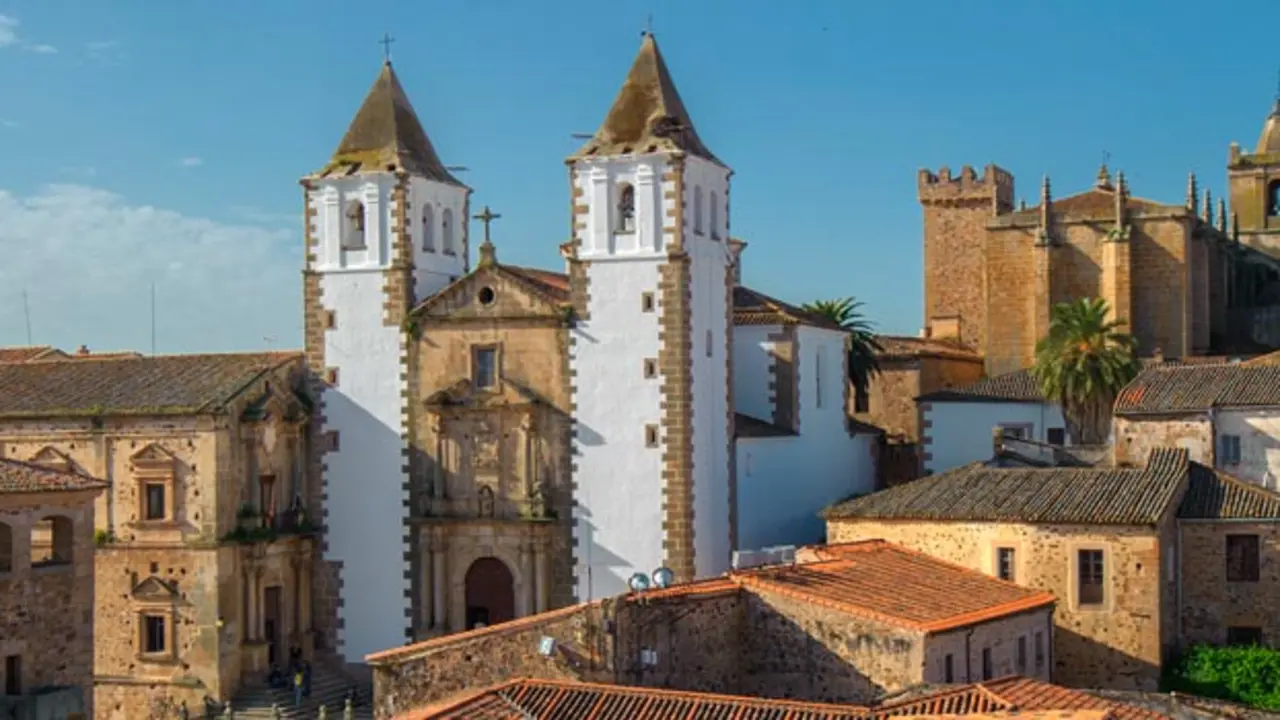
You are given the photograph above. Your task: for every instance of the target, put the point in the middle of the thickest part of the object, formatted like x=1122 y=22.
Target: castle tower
x=1254 y=182
x=386 y=227
x=956 y=212
x=651 y=267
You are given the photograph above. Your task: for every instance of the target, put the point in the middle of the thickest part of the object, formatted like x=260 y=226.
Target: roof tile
x=1215 y=495
x=23 y=477
x=1194 y=389
x=903 y=346
x=752 y=307
x=24 y=353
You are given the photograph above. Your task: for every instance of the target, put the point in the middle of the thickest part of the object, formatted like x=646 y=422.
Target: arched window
x=626 y=208
x=697 y=209
x=51 y=541
x=715 y=214
x=6 y=548
x=428 y=230
x=1273 y=198
x=353 y=233
x=446 y=231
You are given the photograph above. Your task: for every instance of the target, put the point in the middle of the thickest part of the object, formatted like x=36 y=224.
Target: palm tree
x=1083 y=364
x=863 y=346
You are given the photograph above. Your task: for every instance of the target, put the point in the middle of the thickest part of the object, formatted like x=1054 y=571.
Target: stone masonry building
x=46 y=590
x=1143 y=560
x=203 y=556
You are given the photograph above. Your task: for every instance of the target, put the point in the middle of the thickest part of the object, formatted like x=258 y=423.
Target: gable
x=152 y=455
x=154 y=589
x=52 y=457
x=495 y=292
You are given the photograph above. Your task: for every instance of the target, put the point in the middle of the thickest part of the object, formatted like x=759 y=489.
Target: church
x=492 y=441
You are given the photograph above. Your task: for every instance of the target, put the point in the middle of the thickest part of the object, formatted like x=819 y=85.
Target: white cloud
x=9 y=37
x=190 y=162
x=42 y=49
x=87 y=257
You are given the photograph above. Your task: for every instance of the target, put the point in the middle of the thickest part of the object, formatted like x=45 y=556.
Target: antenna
x=456 y=168
x=26 y=313
x=153 y=318
x=582 y=136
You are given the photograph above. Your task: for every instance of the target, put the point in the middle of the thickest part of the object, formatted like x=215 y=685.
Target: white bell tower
x=650 y=259
x=386 y=228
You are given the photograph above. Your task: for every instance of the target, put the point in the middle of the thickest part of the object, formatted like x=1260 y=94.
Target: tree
x=1083 y=364
x=863 y=346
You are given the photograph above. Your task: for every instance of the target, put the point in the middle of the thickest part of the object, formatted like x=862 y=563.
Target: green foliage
x=1246 y=674
x=863 y=346
x=103 y=537
x=1083 y=364
x=247 y=512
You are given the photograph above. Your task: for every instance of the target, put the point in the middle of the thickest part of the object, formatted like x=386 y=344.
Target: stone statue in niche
x=485 y=446
x=486 y=501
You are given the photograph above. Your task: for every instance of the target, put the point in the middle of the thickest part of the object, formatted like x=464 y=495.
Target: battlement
x=995 y=184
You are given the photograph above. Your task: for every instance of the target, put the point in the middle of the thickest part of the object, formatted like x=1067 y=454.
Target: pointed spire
x=1104 y=177
x=386 y=135
x=1221 y=220
x=1122 y=194
x=648 y=114
x=1046 y=203
x=1206 y=210
x=1192 y=191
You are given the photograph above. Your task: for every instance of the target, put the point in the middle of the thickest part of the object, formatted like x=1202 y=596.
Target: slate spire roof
x=386 y=135
x=648 y=115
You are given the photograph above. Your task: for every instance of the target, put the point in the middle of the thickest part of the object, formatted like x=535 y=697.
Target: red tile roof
x=24 y=354
x=529 y=699
x=904 y=346
x=23 y=477
x=751 y=307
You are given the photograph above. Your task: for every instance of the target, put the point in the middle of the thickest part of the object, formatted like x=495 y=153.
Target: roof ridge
x=696 y=695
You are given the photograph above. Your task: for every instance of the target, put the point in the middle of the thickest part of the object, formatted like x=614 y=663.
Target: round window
x=486 y=295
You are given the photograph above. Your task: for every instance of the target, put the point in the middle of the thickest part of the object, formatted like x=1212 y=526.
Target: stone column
x=260 y=626
x=426 y=580
x=437 y=477
x=540 y=578
x=438 y=585
x=526 y=436
x=530 y=586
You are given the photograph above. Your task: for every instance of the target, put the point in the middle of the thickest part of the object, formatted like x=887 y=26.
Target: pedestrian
x=297 y=687
x=306 y=678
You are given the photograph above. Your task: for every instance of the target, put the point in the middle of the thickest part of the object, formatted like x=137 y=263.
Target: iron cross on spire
x=385 y=42
x=486 y=216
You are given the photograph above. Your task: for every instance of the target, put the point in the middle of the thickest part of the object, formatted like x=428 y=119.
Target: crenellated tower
x=956 y=211
x=386 y=226
x=651 y=268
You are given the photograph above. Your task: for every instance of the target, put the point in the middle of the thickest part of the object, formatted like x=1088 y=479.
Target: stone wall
x=891 y=399
x=697 y=642
x=46 y=612
x=1210 y=603
x=1117 y=644
x=1137 y=436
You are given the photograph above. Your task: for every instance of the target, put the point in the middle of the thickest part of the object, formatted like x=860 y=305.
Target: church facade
x=494 y=441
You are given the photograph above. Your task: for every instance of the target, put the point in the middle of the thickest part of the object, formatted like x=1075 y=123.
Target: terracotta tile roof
x=530 y=699
x=745 y=426
x=891 y=584
x=1100 y=202
x=24 y=353
x=386 y=134
x=648 y=115
x=160 y=385
x=980 y=493
x=1215 y=495
x=24 y=477
x=1016 y=386
x=1194 y=389
x=751 y=307
x=903 y=346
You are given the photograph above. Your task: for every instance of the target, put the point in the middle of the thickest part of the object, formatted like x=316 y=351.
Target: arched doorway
x=491 y=593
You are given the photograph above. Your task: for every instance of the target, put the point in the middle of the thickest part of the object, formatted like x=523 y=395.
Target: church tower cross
x=486 y=216
x=385 y=42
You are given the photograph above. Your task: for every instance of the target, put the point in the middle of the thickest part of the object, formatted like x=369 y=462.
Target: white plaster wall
x=330 y=200
x=364 y=480
x=961 y=431
x=618 y=479
x=433 y=268
x=752 y=365
x=1259 y=433
x=783 y=483
x=710 y=262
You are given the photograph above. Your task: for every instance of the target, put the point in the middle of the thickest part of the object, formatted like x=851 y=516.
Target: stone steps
x=328 y=689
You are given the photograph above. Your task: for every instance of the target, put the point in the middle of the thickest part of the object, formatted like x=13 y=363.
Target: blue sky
x=145 y=141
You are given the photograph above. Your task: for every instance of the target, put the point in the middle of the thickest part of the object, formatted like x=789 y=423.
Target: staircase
x=329 y=689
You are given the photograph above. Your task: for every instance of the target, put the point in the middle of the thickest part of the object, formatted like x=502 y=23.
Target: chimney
x=1158 y=356
x=997 y=441
x=84 y=350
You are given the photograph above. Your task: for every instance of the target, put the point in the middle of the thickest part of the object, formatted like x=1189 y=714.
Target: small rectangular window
x=1005 y=569
x=1039 y=648
x=13 y=675
x=1244 y=636
x=330 y=319
x=153 y=634
x=948 y=669
x=709 y=343
x=1242 y=558
x=1230 y=450
x=155 y=501
x=650 y=368
x=1022 y=654
x=1090 y=572
x=987 y=672
x=330 y=441
x=484 y=367
x=651 y=436
x=646 y=302
x=1057 y=436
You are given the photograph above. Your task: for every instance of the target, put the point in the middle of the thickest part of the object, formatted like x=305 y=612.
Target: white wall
x=364 y=480
x=752 y=367
x=1259 y=433
x=433 y=267
x=960 y=432
x=783 y=483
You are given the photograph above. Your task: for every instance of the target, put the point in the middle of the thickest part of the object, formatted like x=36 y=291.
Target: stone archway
x=490 y=593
